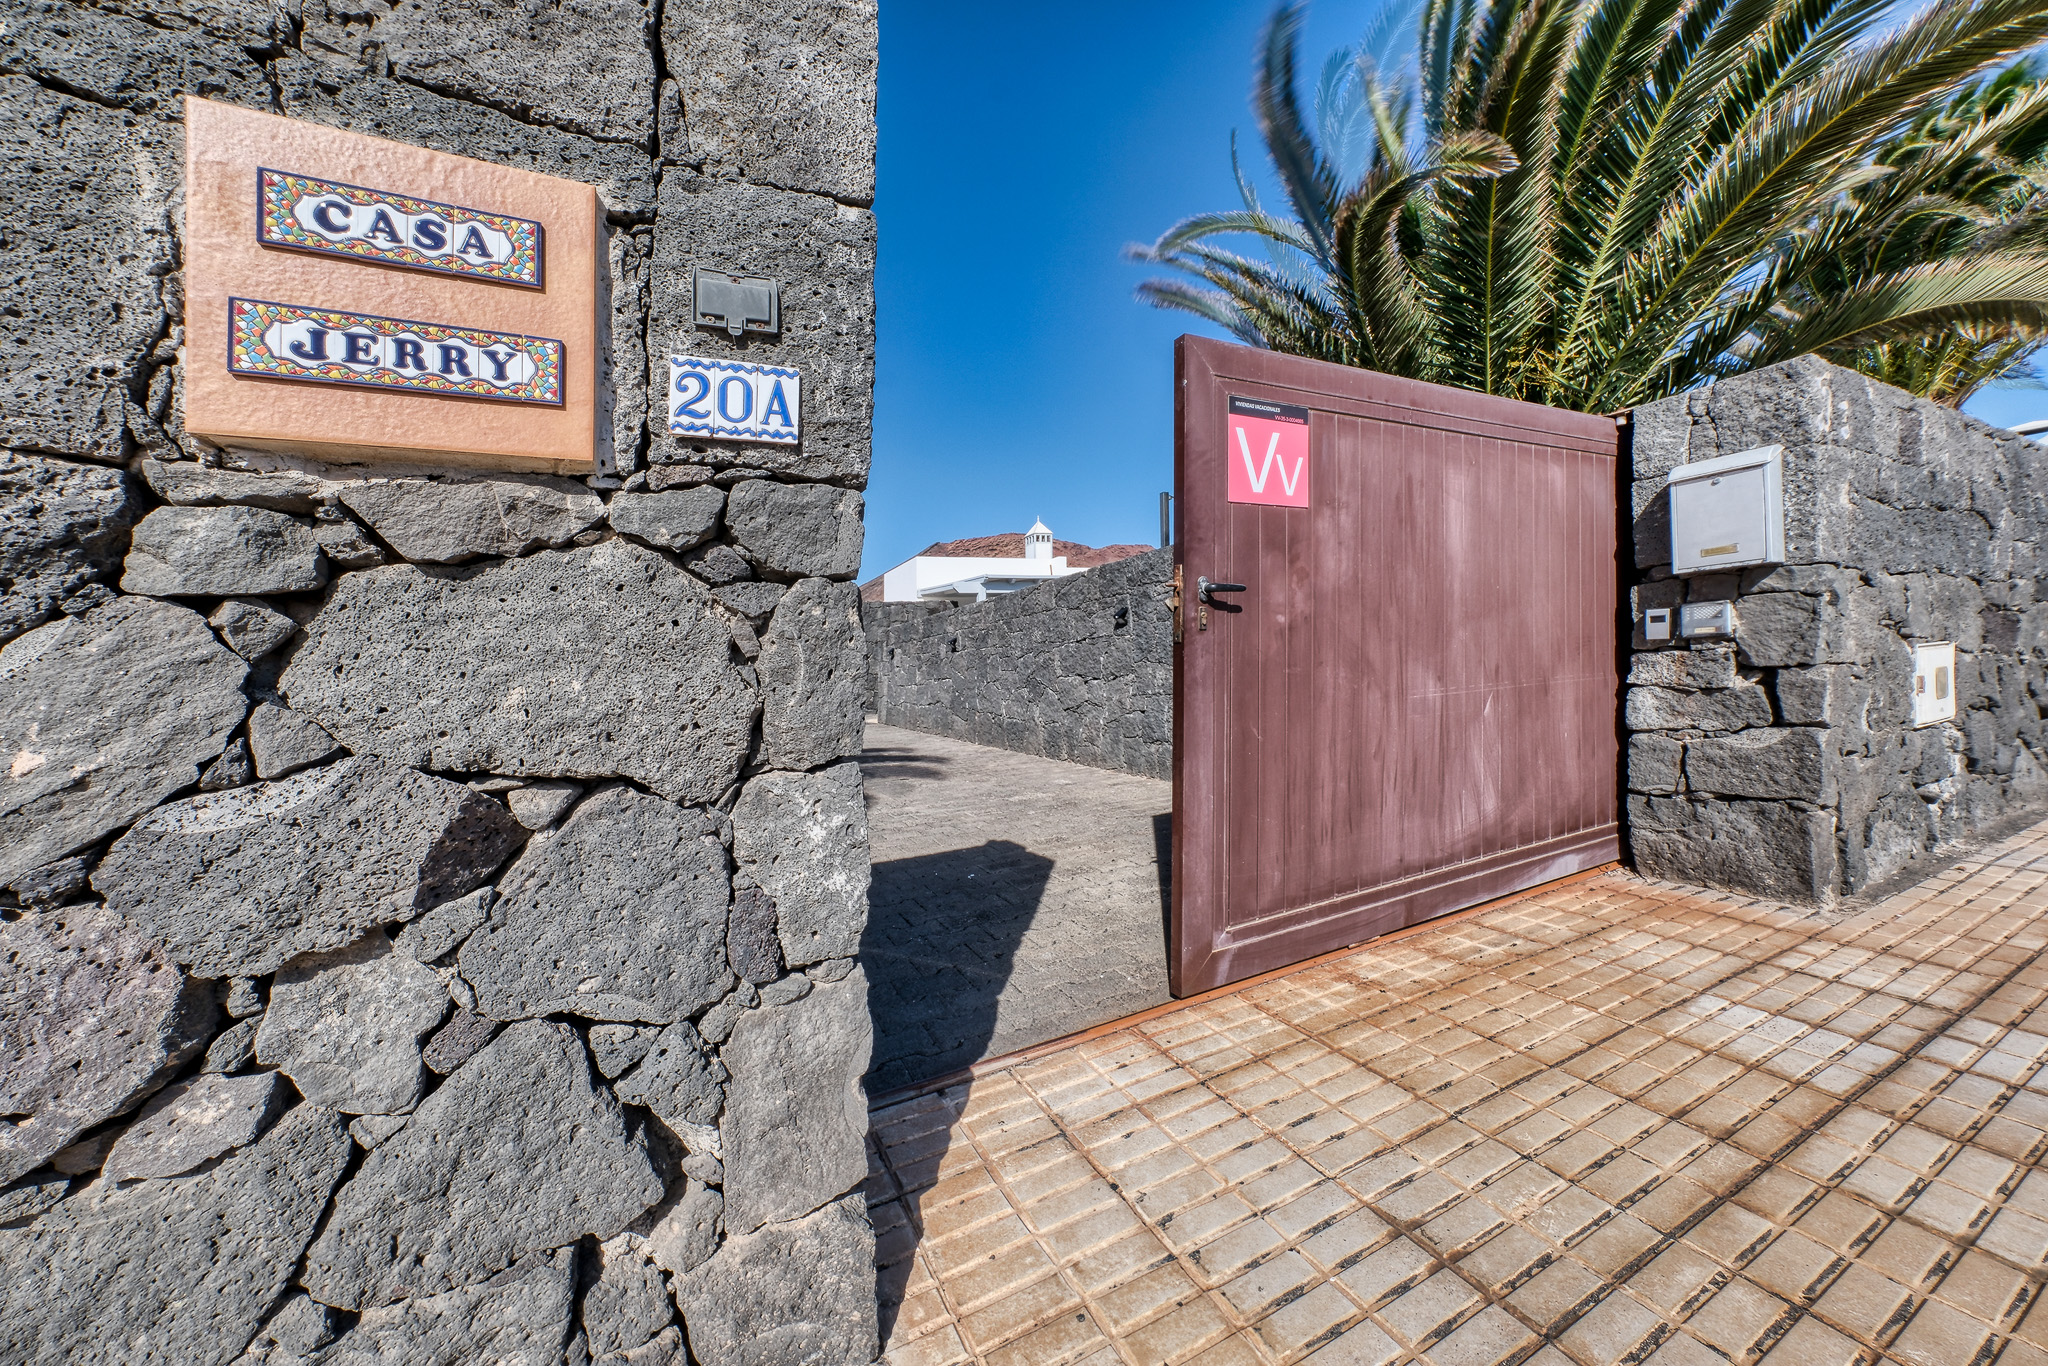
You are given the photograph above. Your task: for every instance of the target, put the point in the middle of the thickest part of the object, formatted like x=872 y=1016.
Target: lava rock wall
x=1785 y=762
x=430 y=901
x=1079 y=669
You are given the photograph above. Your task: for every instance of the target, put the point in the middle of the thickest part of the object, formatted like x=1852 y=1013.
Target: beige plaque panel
x=225 y=146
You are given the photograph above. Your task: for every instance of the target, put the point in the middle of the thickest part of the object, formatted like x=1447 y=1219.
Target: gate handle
x=1206 y=590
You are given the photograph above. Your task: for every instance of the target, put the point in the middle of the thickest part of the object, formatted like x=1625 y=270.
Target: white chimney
x=1038 y=542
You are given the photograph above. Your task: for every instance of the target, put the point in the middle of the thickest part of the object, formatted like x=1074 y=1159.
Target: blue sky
x=1020 y=150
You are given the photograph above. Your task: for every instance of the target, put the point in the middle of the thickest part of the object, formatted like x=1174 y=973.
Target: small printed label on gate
x=734 y=400
x=1268 y=453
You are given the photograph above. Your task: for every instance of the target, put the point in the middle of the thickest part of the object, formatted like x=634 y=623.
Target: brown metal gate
x=1411 y=707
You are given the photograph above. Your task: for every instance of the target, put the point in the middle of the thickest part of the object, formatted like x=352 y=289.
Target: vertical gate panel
x=1413 y=705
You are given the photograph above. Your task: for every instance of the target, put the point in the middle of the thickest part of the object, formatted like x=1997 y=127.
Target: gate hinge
x=1173 y=604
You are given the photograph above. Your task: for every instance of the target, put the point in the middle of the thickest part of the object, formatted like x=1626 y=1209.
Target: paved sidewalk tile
x=1616 y=1121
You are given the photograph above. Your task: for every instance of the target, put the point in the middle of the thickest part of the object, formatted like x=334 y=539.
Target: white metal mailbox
x=1934 y=683
x=1728 y=512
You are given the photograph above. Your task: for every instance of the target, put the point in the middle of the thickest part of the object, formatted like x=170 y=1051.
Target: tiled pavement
x=1619 y=1121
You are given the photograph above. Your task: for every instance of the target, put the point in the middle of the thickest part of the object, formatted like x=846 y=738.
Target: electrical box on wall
x=1728 y=512
x=1934 y=683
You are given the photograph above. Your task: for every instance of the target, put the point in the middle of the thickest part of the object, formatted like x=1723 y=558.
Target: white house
x=973 y=578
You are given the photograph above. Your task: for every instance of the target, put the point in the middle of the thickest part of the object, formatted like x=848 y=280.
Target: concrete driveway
x=1015 y=900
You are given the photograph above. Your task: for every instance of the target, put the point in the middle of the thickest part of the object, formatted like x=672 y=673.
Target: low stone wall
x=1079 y=669
x=1785 y=762
x=430 y=903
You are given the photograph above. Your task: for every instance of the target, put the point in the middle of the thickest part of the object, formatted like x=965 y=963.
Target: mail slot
x=1728 y=512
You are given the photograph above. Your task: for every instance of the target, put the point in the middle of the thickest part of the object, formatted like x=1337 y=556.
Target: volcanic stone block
x=520 y=1317
x=813 y=669
x=187 y=483
x=752 y=945
x=222 y=552
x=1776 y=630
x=680 y=519
x=624 y=174
x=244 y=997
x=754 y=601
x=539 y=805
x=234 y=883
x=1653 y=763
x=84 y=1157
x=456 y=1042
x=234 y=768
x=346 y=1026
x=534 y=60
x=447 y=520
x=443 y=928
x=346 y=544
x=718 y=564
x=803 y=837
x=303 y=1326
x=622 y=346
x=73 y=350
x=616 y=1047
x=823 y=254
x=32 y=1195
x=62 y=526
x=784 y=91
x=53 y=884
x=794 y=1116
x=122 y=59
x=233 y=1049
x=252 y=629
x=102 y=717
x=793 y=1292
x=585 y=663
x=515 y=1153
x=92 y=1018
x=1784 y=761
x=1721 y=709
x=629 y=1304
x=192 y=1122
x=178 y=1270
x=689 y=1231
x=618 y=915
x=1702 y=666
x=677 y=1079
x=795 y=531
x=1764 y=848
x=1827 y=695
x=282 y=742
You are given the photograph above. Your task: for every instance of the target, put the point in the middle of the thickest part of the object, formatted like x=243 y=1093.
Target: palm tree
x=1597 y=203
x=1960 y=178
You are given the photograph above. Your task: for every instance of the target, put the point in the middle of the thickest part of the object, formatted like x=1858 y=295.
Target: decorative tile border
x=327 y=216
x=290 y=341
x=731 y=400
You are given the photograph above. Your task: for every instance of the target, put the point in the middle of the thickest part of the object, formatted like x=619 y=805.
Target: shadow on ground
x=941 y=941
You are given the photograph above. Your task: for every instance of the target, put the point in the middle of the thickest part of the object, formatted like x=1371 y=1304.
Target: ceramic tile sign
x=354 y=300
x=286 y=341
x=729 y=400
x=309 y=214
x=1268 y=453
